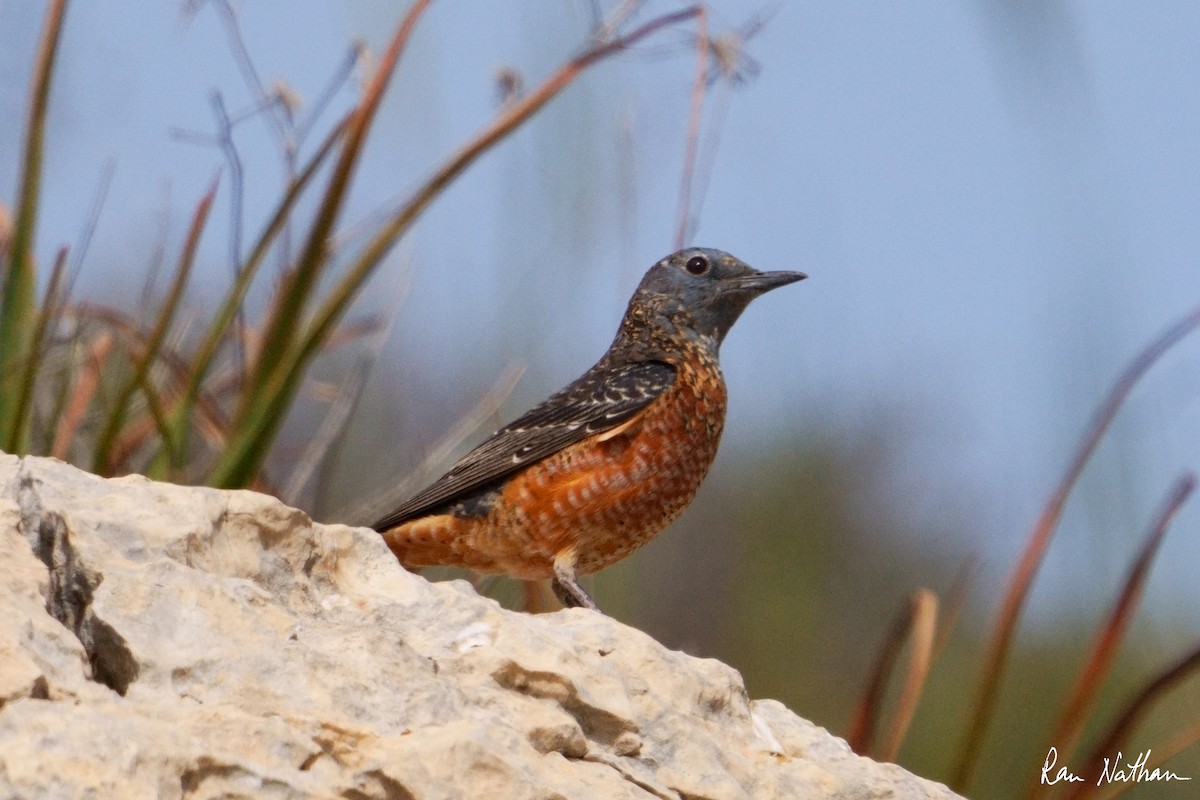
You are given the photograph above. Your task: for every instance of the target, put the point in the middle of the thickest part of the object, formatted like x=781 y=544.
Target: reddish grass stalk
x=956 y=599
x=1156 y=759
x=1039 y=539
x=81 y=398
x=1129 y=719
x=1112 y=632
x=920 y=656
x=918 y=622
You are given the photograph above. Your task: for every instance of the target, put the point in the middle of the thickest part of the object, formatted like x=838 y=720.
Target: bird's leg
x=566 y=588
x=572 y=595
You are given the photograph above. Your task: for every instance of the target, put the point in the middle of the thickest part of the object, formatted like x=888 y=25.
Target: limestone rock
x=169 y=642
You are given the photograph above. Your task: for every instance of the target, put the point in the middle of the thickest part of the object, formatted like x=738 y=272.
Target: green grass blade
x=48 y=311
x=271 y=387
x=17 y=300
x=166 y=315
x=300 y=283
x=127 y=444
x=174 y=451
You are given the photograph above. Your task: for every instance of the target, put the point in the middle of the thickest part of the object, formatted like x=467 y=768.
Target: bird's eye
x=696 y=265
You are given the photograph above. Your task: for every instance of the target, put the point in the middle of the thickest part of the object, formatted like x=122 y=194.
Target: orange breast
x=609 y=495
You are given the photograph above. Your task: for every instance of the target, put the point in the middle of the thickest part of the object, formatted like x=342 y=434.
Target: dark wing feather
x=603 y=398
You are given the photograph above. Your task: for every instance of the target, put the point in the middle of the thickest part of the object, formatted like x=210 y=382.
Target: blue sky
x=997 y=204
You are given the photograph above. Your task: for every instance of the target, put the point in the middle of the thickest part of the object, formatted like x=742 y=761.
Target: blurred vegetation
x=793 y=568
x=119 y=394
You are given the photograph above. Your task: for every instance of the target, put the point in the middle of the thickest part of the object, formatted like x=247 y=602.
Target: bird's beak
x=759 y=282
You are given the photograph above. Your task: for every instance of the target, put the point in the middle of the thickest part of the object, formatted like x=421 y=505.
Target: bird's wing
x=603 y=398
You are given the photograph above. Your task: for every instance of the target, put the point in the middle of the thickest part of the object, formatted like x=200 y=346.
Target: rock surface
x=160 y=641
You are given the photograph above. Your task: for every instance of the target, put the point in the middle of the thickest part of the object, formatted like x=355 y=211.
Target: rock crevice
x=70 y=589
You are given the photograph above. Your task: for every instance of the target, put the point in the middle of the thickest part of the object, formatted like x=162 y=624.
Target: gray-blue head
x=704 y=290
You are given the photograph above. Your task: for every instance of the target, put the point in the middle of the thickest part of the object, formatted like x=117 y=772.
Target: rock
x=165 y=641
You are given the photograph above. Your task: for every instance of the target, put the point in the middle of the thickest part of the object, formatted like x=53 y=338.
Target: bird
x=602 y=466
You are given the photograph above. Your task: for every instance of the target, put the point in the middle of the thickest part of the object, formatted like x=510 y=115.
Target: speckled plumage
x=605 y=464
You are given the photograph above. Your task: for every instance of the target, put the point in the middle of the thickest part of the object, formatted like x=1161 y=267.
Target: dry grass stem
x=996 y=656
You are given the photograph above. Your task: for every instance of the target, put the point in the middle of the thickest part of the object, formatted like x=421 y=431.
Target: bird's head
x=705 y=290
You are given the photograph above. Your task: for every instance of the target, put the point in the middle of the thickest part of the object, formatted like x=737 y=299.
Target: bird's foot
x=572 y=595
